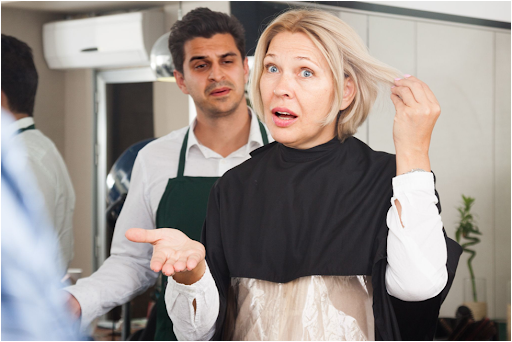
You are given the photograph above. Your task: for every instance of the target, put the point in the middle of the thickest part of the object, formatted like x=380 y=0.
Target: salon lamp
x=161 y=59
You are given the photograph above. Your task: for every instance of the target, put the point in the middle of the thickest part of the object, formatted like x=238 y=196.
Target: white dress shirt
x=126 y=272
x=52 y=177
x=416 y=268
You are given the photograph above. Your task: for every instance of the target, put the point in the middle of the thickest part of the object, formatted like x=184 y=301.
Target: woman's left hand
x=417 y=111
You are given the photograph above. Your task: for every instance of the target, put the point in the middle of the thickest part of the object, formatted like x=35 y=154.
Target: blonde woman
x=302 y=242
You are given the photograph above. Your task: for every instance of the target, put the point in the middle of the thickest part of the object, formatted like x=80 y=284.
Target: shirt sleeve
x=190 y=324
x=212 y=288
x=126 y=273
x=417 y=252
x=48 y=188
x=58 y=198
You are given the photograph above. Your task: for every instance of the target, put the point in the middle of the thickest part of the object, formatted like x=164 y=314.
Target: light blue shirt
x=33 y=303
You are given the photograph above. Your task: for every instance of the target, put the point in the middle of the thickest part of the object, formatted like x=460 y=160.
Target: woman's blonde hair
x=347 y=57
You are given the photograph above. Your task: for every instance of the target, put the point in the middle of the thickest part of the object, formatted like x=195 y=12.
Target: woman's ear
x=349 y=92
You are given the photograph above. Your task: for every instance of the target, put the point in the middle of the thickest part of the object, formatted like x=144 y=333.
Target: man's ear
x=5 y=101
x=349 y=93
x=180 y=81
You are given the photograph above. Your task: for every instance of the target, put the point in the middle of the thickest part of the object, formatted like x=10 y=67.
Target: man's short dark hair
x=203 y=22
x=19 y=75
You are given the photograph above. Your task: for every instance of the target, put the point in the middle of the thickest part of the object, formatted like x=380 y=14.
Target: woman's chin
x=283 y=136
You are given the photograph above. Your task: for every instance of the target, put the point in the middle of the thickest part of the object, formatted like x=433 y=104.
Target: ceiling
x=70 y=7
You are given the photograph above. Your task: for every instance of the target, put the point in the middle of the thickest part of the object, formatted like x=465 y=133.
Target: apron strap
x=263 y=133
x=181 y=165
x=21 y=130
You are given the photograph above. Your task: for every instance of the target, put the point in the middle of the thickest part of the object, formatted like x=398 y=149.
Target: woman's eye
x=306 y=73
x=272 y=68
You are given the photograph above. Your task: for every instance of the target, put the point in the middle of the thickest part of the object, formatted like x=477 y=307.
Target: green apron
x=183 y=206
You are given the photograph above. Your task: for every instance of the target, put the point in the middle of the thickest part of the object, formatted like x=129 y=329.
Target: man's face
x=214 y=75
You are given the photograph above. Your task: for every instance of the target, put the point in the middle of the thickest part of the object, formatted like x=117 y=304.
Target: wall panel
x=457 y=64
x=391 y=41
x=502 y=172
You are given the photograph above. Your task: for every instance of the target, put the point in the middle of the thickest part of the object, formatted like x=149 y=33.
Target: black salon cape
x=288 y=213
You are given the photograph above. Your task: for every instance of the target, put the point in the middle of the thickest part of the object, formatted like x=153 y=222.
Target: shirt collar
x=255 y=139
x=15 y=126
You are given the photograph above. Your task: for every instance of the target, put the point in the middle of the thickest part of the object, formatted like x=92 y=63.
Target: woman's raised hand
x=417 y=111
x=173 y=252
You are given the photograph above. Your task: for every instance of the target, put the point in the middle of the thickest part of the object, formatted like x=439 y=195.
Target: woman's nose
x=281 y=92
x=283 y=88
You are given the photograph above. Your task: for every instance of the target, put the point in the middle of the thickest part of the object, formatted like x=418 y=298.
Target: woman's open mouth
x=283 y=117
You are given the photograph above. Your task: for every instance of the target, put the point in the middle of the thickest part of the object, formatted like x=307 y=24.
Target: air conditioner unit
x=120 y=40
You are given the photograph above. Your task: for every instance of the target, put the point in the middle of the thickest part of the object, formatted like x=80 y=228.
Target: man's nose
x=216 y=73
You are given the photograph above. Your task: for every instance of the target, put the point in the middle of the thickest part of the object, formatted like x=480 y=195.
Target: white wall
x=490 y=10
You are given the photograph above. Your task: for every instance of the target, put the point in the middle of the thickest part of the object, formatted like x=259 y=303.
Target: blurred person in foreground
x=33 y=304
x=19 y=87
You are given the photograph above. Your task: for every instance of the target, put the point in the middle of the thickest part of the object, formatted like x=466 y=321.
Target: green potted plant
x=468 y=231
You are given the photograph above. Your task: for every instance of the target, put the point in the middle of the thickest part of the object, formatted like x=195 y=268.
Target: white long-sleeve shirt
x=416 y=267
x=126 y=273
x=52 y=177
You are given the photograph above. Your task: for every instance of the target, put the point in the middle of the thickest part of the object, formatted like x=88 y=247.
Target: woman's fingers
x=424 y=103
x=159 y=259
x=193 y=260
x=185 y=262
x=181 y=264
x=397 y=101
x=173 y=251
x=411 y=85
x=429 y=95
x=169 y=266
x=144 y=235
x=405 y=94
x=419 y=89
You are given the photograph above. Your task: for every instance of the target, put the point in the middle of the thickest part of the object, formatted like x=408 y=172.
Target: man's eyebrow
x=227 y=54
x=193 y=58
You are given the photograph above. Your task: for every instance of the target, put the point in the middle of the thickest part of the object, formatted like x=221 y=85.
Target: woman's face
x=297 y=90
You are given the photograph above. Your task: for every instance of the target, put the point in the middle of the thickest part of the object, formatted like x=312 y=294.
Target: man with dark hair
x=173 y=175
x=19 y=86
